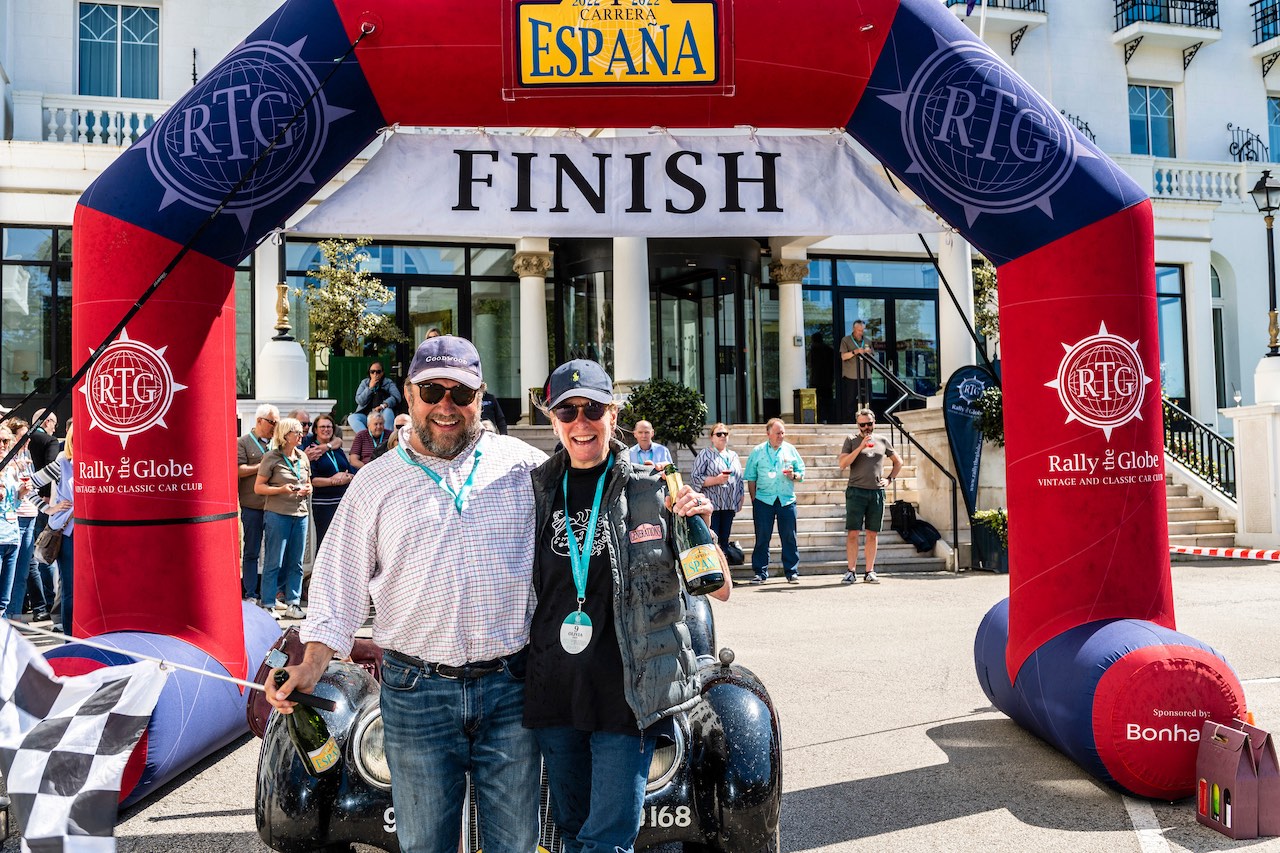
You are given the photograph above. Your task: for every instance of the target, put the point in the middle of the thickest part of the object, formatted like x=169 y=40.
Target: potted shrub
x=991 y=415
x=677 y=412
x=990 y=540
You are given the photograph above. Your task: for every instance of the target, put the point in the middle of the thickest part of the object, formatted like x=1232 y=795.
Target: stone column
x=956 y=348
x=632 y=340
x=532 y=264
x=1257 y=435
x=791 y=344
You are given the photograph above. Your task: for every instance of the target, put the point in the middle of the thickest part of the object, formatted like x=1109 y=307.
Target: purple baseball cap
x=447 y=357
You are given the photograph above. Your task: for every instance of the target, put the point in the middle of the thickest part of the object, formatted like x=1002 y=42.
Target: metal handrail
x=1184 y=13
x=1209 y=455
x=890 y=411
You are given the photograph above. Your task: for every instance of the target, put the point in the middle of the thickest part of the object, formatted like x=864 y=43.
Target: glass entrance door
x=903 y=333
x=696 y=318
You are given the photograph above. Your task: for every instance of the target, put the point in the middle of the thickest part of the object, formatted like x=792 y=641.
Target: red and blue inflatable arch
x=1083 y=653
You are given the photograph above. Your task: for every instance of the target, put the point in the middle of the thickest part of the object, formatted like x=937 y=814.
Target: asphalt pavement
x=889 y=743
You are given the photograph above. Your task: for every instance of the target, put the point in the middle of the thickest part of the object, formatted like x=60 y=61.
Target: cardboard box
x=1263 y=745
x=1226 y=782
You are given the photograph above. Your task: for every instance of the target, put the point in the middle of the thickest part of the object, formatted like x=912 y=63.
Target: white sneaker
x=295 y=611
x=849 y=577
x=871 y=578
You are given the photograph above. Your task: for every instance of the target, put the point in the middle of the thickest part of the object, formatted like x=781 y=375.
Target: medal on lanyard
x=773 y=462
x=460 y=496
x=575 y=631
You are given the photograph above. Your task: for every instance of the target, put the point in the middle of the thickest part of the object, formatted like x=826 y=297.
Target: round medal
x=575 y=633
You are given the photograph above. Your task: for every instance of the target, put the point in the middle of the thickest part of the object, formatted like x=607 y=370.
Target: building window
x=1171 y=316
x=119 y=51
x=1151 y=121
x=1273 y=128
x=35 y=309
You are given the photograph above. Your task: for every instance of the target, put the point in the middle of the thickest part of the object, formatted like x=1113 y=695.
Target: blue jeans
x=436 y=729
x=40 y=585
x=18 y=589
x=357 y=421
x=597 y=784
x=8 y=568
x=282 y=568
x=66 y=575
x=762 y=516
x=722 y=523
x=253 y=524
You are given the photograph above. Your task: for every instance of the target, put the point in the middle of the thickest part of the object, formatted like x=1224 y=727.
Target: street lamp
x=1266 y=196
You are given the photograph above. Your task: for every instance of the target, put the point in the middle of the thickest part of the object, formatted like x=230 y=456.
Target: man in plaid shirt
x=439 y=533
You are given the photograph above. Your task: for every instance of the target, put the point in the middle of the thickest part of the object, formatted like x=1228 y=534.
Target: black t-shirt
x=583 y=691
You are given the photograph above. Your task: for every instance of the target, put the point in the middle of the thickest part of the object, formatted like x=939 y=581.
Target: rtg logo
x=129 y=389
x=981 y=135
x=202 y=146
x=612 y=42
x=1101 y=382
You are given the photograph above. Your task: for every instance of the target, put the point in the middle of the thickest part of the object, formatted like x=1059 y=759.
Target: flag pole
x=295 y=696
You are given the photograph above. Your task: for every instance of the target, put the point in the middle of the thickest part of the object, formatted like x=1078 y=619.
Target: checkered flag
x=64 y=743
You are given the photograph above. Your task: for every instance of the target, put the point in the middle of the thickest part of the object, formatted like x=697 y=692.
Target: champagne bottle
x=310 y=736
x=699 y=559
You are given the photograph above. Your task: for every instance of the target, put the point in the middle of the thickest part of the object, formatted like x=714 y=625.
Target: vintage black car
x=717 y=788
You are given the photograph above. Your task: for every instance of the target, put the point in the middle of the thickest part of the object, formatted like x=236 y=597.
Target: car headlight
x=665 y=763
x=370 y=750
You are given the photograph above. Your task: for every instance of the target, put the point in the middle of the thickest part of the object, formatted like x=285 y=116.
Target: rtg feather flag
x=64 y=743
x=968 y=7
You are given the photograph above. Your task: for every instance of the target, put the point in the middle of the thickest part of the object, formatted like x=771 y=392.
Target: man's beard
x=447 y=448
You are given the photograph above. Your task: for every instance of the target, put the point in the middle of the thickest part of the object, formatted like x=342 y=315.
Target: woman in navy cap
x=609 y=664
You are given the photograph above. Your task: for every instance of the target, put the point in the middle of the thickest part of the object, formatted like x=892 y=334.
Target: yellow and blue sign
x=617 y=42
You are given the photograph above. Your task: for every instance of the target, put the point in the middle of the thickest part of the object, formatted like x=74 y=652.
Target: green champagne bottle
x=310 y=736
x=699 y=558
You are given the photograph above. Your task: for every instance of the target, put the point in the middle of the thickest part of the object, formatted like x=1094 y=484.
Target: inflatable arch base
x=194 y=716
x=1123 y=698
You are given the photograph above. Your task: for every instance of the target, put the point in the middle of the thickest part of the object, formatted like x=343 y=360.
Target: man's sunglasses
x=432 y=393
x=720 y=434
x=268 y=420
x=866 y=424
x=567 y=413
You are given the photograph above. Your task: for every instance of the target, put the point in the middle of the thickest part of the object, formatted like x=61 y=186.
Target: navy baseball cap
x=447 y=357
x=578 y=378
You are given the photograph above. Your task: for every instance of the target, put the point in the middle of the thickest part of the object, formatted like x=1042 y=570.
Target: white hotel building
x=1177 y=91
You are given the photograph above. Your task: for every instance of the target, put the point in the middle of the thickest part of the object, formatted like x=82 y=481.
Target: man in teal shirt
x=773 y=469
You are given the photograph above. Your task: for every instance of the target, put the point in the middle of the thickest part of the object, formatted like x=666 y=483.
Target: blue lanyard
x=727 y=460
x=774 y=457
x=262 y=445
x=334 y=460
x=580 y=557
x=378 y=441
x=460 y=496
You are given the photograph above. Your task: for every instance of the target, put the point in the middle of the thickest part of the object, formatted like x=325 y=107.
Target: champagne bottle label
x=324 y=757
x=698 y=561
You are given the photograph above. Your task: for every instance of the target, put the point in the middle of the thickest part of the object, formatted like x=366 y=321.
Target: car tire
x=773 y=845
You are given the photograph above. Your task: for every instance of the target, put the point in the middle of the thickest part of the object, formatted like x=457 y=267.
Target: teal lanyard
x=379 y=440
x=728 y=461
x=773 y=457
x=580 y=557
x=460 y=496
x=262 y=445
x=294 y=467
x=333 y=460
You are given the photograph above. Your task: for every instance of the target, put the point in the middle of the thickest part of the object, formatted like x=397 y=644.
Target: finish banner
x=960 y=415
x=480 y=185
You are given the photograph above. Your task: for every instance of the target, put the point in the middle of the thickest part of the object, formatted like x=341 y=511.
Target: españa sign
x=617 y=42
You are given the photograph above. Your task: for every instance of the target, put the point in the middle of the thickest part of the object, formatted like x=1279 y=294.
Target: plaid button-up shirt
x=449 y=587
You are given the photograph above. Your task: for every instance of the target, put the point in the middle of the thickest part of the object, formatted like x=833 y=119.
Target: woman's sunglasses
x=567 y=413
x=720 y=434
x=433 y=393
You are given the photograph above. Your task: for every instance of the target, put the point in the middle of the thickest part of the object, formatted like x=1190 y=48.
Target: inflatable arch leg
x=1070 y=232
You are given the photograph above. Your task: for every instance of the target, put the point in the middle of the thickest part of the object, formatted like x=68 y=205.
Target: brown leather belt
x=467 y=670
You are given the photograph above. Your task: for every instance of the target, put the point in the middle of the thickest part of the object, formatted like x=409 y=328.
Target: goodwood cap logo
x=1101 y=382
x=129 y=389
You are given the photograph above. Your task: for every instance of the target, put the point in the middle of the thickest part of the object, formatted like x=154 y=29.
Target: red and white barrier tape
x=1233 y=553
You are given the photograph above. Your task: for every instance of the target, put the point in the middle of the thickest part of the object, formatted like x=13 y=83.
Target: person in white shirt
x=440 y=534
x=647 y=451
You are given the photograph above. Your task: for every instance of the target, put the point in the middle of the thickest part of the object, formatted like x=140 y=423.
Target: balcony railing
x=83 y=119
x=1246 y=146
x=1080 y=125
x=1266 y=20
x=1016 y=5
x=1210 y=456
x=1189 y=180
x=1183 y=13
